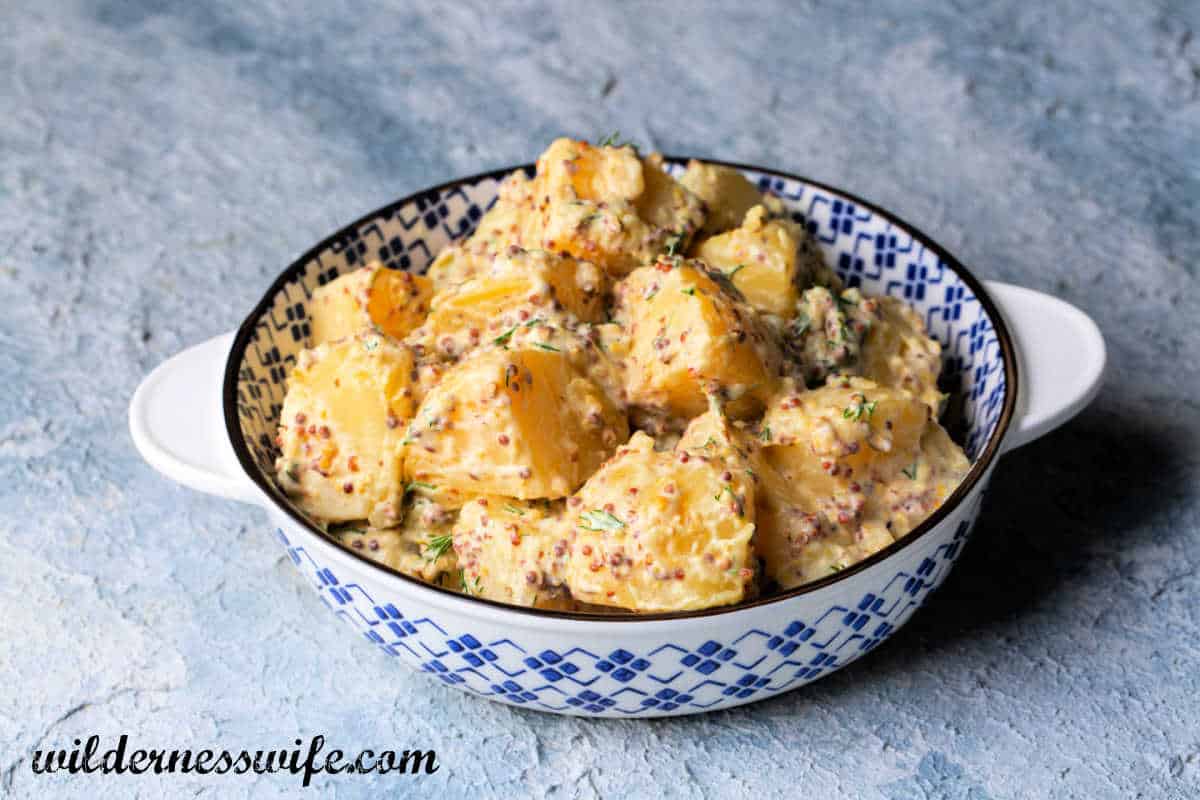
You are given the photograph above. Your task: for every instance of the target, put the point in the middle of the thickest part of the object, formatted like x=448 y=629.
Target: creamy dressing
x=568 y=413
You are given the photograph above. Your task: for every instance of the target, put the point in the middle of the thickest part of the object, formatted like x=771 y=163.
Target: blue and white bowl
x=1017 y=363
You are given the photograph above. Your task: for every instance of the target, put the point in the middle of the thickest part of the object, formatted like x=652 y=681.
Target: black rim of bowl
x=978 y=469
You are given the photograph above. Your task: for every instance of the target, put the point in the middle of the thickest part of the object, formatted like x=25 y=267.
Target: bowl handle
x=177 y=424
x=1060 y=355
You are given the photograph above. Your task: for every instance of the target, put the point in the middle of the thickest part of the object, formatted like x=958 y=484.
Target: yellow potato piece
x=504 y=223
x=457 y=264
x=687 y=333
x=513 y=551
x=502 y=227
x=521 y=288
x=726 y=192
x=714 y=434
x=596 y=174
x=837 y=434
x=924 y=484
x=523 y=423
x=555 y=283
x=662 y=531
x=761 y=258
x=421 y=546
x=392 y=301
x=347 y=403
x=836 y=464
x=898 y=352
x=607 y=206
x=667 y=204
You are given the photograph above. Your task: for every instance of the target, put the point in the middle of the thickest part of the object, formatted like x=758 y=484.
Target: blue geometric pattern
x=677 y=677
x=866 y=249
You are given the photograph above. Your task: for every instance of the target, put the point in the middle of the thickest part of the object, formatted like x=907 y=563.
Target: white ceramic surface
x=666 y=664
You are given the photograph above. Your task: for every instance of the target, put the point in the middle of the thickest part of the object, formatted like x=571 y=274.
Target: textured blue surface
x=159 y=164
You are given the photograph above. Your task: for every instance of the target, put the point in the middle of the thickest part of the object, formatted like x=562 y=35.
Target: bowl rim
x=974 y=476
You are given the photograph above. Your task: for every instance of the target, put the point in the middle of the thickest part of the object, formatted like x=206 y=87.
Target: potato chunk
x=727 y=193
x=662 y=531
x=763 y=258
x=457 y=264
x=839 y=433
x=503 y=226
x=607 y=206
x=832 y=461
x=898 y=352
x=421 y=546
x=770 y=259
x=513 y=551
x=924 y=484
x=667 y=204
x=390 y=300
x=590 y=173
x=686 y=332
x=522 y=287
x=523 y=423
x=346 y=405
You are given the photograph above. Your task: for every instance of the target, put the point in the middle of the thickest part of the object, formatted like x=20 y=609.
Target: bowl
x=1017 y=363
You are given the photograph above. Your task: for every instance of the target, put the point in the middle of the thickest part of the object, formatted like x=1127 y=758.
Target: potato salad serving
x=623 y=392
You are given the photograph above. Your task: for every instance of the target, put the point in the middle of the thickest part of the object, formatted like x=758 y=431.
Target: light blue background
x=160 y=163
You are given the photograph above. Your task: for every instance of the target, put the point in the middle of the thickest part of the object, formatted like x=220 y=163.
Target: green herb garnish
x=765 y=435
x=503 y=338
x=612 y=140
x=911 y=471
x=599 y=520
x=856 y=410
x=510 y=508
x=735 y=271
x=690 y=291
x=737 y=500
x=472 y=587
x=801 y=324
x=544 y=346
x=437 y=547
x=414 y=485
x=674 y=243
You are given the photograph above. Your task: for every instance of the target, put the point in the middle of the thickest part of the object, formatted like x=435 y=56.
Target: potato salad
x=622 y=392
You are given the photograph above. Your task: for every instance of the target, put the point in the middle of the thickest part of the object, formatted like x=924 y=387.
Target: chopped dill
x=599 y=520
